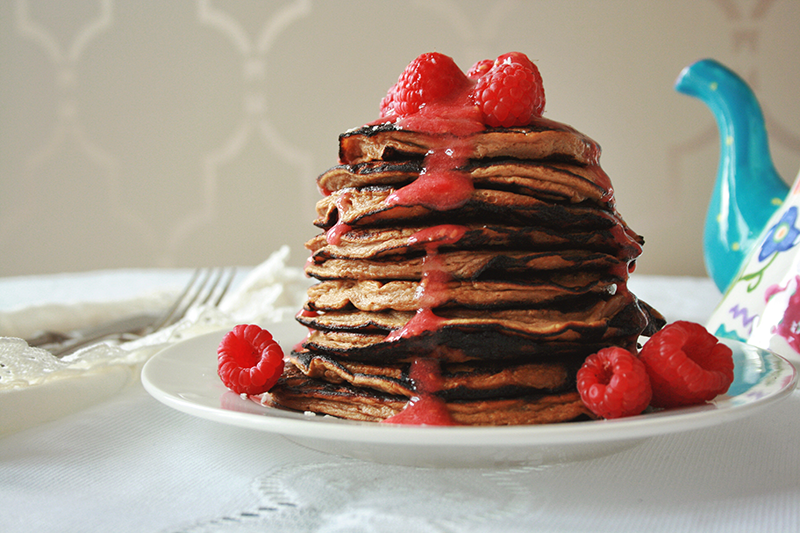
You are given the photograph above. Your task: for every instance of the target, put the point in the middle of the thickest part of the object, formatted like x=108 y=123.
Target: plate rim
x=298 y=425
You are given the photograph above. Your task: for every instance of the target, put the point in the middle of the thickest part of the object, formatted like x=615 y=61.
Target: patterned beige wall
x=190 y=132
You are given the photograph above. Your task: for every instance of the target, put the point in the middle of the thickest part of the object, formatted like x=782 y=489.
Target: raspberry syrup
x=334 y=235
x=424 y=320
x=442 y=185
x=426 y=408
x=442 y=235
x=624 y=236
x=425 y=372
x=423 y=411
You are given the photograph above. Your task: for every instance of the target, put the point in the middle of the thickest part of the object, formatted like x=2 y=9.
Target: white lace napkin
x=270 y=292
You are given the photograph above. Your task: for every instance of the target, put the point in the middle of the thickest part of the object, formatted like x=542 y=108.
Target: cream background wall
x=190 y=132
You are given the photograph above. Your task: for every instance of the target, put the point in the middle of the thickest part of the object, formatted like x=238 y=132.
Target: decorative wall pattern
x=146 y=133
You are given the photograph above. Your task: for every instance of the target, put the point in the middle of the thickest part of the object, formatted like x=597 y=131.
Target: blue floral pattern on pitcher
x=762 y=305
x=782 y=236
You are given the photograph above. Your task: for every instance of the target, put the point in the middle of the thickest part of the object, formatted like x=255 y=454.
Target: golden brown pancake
x=368 y=207
x=543 y=140
x=299 y=392
x=376 y=243
x=460 y=381
x=585 y=313
x=467 y=265
x=405 y=295
x=554 y=181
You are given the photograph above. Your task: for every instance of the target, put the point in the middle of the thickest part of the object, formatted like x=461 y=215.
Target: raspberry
x=480 y=68
x=613 y=383
x=686 y=365
x=429 y=78
x=511 y=92
x=518 y=57
x=249 y=360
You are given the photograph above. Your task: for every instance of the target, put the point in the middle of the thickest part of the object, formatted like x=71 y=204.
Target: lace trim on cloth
x=348 y=495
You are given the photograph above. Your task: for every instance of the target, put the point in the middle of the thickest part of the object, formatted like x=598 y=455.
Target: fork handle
x=60 y=344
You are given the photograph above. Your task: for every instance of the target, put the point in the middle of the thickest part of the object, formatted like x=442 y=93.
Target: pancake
x=480 y=342
x=405 y=295
x=300 y=393
x=543 y=139
x=586 y=310
x=377 y=243
x=466 y=265
x=461 y=381
x=554 y=181
x=368 y=207
x=501 y=335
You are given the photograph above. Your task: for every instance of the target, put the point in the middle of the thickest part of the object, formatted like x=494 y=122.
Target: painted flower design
x=782 y=236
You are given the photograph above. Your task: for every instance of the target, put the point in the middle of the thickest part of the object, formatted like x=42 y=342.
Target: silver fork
x=210 y=290
x=206 y=287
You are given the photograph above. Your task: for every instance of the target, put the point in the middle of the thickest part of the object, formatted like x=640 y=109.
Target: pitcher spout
x=748 y=189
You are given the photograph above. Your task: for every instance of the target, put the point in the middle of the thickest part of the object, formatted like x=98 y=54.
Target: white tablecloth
x=130 y=463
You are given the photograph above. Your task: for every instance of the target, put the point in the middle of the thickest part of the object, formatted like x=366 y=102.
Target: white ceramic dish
x=25 y=407
x=184 y=377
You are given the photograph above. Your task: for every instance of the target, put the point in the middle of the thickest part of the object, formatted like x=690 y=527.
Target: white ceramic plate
x=184 y=376
x=25 y=407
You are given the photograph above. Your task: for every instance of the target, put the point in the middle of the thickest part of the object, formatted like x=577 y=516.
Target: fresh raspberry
x=249 y=360
x=518 y=57
x=480 y=68
x=686 y=365
x=429 y=78
x=511 y=92
x=613 y=383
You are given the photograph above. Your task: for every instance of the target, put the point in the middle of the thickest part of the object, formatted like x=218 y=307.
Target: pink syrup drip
x=436 y=236
x=424 y=320
x=624 y=236
x=334 y=235
x=457 y=116
x=440 y=185
x=426 y=408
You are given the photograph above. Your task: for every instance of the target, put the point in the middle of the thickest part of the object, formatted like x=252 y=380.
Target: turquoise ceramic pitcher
x=752 y=232
x=748 y=190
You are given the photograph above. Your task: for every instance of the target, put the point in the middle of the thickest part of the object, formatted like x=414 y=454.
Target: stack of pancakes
x=488 y=304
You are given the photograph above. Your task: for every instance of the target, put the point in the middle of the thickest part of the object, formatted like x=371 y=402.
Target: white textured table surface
x=130 y=463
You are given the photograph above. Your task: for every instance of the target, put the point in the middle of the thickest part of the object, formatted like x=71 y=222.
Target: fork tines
x=206 y=287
